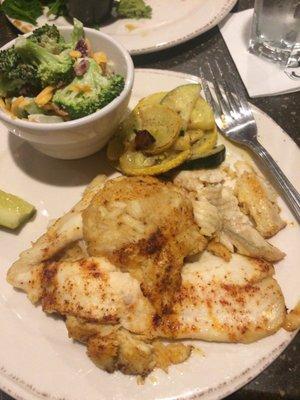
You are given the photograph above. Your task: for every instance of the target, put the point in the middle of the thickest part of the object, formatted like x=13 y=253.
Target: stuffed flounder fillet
x=139 y=260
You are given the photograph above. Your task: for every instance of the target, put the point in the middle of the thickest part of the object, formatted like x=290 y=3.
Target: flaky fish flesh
x=259 y=201
x=217 y=212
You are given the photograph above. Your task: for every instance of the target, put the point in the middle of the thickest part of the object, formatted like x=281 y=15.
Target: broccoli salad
x=44 y=78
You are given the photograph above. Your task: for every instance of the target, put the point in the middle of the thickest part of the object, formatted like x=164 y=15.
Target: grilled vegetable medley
x=165 y=130
x=44 y=78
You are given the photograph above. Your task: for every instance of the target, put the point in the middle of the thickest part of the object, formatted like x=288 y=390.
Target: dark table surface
x=281 y=380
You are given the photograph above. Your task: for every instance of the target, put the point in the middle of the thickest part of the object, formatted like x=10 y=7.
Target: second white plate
x=172 y=22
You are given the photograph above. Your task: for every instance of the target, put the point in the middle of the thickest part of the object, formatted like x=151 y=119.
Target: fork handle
x=288 y=191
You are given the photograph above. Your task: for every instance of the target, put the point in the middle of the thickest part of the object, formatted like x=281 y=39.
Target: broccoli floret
x=52 y=69
x=15 y=75
x=88 y=93
x=115 y=86
x=133 y=9
x=49 y=37
x=26 y=72
x=9 y=60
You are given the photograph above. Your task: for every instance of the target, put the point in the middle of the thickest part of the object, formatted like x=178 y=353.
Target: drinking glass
x=292 y=68
x=275 y=28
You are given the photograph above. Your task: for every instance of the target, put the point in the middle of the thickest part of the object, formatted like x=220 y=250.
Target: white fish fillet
x=94 y=289
x=60 y=234
x=236 y=301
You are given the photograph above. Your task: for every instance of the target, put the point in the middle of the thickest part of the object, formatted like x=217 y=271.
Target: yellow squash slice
x=121 y=139
x=182 y=100
x=115 y=148
x=154 y=98
x=205 y=144
x=162 y=123
x=202 y=116
x=182 y=143
x=129 y=163
x=195 y=134
x=185 y=141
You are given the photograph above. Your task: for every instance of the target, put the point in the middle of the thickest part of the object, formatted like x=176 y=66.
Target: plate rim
x=218 y=17
x=20 y=390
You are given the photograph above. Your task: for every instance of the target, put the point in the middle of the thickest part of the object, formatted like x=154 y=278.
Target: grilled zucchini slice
x=211 y=159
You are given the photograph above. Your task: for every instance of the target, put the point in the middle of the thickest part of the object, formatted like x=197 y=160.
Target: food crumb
x=198 y=351
x=131 y=27
x=153 y=380
x=140 y=380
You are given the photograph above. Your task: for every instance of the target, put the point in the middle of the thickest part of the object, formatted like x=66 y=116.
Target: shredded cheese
x=75 y=54
x=44 y=96
x=19 y=102
x=80 y=87
x=101 y=59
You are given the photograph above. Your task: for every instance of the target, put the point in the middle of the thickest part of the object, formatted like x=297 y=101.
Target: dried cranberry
x=82 y=47
x=143 y=139
x=81 y=67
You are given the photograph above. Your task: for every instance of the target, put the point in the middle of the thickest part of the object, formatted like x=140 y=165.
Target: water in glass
x=275 y=28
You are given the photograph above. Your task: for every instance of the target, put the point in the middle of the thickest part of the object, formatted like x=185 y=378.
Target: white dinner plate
x=172 y=22
x=37 y=360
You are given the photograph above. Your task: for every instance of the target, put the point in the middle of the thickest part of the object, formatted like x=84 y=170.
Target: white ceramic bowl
x=84 y=136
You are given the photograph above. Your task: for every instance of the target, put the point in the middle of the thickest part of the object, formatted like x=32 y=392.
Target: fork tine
x=220 y=98
x=233 y=103
x=236 y=88
x=207 y=93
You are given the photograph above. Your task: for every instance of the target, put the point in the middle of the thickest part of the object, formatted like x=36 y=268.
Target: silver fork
x=235 y=120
